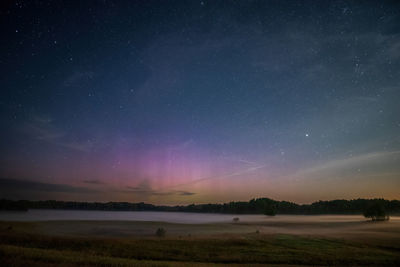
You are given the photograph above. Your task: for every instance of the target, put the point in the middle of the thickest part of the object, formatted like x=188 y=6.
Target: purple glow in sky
x=197 y=102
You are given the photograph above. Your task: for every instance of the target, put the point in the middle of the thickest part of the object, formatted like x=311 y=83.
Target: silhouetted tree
x=255 y=206
x=269 y=209
x=376 y=211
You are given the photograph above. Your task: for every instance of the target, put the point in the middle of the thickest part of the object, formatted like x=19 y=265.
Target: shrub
x=160 y=232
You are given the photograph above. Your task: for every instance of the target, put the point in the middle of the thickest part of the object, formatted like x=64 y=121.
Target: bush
x=160 y=232
x=376 y=212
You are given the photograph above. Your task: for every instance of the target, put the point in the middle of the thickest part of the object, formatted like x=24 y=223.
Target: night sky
x=178 y=102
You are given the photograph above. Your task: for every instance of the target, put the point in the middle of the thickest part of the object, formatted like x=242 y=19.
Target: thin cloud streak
x=41 y=128
x=144 y=188
x=7 y=184
x=248 y=170
x=331 y=168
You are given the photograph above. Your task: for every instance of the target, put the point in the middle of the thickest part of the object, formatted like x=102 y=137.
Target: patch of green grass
x=336 y=251
x=51 y=256
x=240 y=249
x=21 y=256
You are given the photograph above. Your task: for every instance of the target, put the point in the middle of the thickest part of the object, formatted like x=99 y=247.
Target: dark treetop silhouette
x=255 y=206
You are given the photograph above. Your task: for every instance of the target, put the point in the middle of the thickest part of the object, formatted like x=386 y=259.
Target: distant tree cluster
x=376 y=211
x=255 y=206
x=269 y=208
x=21 y=205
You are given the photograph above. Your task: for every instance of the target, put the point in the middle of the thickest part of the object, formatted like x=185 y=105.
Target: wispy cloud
x=185 y=193
x=240 y=160
x=42 y=128
x=95 y=182
x=16 y=185
x=367 y=163
x=233 y=174
x=145 y=189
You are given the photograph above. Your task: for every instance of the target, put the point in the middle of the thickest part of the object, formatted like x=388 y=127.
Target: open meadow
x=281 y=240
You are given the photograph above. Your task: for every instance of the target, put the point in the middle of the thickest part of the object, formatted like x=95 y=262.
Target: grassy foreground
x=20 y=245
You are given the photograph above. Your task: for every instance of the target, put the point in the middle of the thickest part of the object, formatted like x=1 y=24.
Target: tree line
x=255 y=206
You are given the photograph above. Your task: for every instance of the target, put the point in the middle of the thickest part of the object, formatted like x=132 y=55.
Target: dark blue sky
x=200 y=101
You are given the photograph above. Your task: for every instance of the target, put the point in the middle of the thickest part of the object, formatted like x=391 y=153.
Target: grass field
x=112 y=244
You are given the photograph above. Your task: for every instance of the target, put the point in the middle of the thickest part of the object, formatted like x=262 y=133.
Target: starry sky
x=179 y=102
